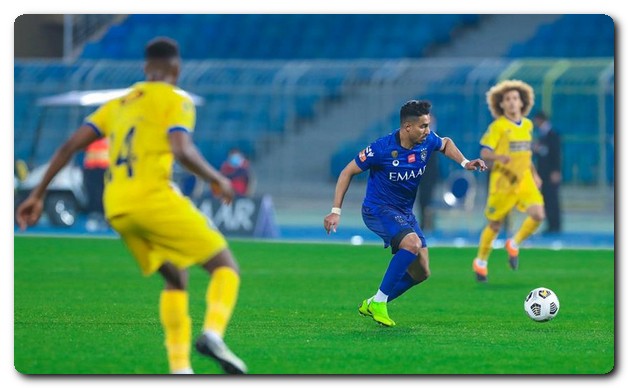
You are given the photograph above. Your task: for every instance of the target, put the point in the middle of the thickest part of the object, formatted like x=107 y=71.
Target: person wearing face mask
x=236 y=167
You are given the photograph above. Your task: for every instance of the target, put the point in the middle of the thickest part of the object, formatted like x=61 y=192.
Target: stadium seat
x=571 y=36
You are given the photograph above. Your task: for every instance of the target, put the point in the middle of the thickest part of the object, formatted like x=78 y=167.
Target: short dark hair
x=540 y=115
x=413 y=109
x=162 y=48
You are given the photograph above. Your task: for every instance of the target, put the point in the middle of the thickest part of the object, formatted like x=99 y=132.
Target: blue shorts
x=391 y=225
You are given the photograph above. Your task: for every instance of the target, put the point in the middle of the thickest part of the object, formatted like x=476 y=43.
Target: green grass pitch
x=82 y=307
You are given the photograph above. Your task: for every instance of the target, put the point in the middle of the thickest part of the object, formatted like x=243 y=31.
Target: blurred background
x=299 y=95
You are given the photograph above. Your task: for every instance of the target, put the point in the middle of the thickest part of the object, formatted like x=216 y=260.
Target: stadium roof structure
x=96 y=97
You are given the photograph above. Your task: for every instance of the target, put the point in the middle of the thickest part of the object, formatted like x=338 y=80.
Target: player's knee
x=538 y=214
x=412 y=243
x=224 y=258
x=539 y=217
x=175 y=279
x=495 y=226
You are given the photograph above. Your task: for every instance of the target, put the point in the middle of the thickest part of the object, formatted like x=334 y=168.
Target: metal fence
x=270 y=107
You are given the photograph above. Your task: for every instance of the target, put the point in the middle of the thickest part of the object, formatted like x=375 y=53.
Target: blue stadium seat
x=571 y=36
x=251 y=36
x=230 y=35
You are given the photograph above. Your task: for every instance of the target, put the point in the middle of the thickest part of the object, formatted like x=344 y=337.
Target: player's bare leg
x=419 y=269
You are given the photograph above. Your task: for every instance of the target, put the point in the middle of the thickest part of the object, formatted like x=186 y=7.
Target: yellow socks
x=221 y=298
x=529 y=226
x=175 y=319
x=486 y=243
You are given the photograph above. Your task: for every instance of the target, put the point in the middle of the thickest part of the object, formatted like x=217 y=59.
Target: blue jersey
x=395 y=172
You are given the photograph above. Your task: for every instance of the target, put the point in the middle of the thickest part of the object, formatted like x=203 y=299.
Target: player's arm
x=489 y=141
x=189 y=156
x=489 y=155
x=342 y=185
x=30 y=210
x=450 y=150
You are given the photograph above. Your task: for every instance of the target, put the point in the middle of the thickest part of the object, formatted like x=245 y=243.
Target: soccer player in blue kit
x=396 y=162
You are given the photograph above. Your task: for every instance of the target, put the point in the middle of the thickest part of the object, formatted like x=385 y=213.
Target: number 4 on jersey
x=126 y=155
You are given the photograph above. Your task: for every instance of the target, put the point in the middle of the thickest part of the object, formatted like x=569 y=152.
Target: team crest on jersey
x=133 y=95
x=411 y=158
x=423 y=154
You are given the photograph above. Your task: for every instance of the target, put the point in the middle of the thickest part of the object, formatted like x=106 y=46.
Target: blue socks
x=396 y=270
x=403 y=285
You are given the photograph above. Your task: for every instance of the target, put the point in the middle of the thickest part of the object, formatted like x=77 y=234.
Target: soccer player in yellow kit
x=148 y=129
x=514 y=182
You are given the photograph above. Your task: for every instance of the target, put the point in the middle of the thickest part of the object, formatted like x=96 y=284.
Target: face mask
x=236 y=160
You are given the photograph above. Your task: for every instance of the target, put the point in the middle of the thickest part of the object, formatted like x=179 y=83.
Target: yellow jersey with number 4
x=506 y=137
x=140 y=159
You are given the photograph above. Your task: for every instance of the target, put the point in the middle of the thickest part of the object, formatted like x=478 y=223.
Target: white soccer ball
x=357 y=240
x=541 y=304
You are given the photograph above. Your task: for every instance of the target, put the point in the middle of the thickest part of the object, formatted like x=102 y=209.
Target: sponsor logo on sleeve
x=365 y=153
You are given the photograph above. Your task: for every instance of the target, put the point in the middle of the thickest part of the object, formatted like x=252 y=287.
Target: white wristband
x=464 y=163
x=336 y=210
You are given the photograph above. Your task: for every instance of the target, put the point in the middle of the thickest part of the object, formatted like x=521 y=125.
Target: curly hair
x=495 y=95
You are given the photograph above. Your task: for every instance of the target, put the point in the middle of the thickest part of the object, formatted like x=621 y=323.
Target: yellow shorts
x=500 y=203
x=174 y=231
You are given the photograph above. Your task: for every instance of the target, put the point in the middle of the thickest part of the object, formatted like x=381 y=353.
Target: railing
x=275 y=98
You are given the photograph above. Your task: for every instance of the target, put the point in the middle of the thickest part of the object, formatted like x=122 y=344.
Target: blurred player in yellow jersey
x=148 y=129
x=514 y=182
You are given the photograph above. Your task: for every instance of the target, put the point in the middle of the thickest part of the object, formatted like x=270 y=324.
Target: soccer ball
x=541 y=304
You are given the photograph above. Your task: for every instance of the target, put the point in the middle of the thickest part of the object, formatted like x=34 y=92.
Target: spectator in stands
x=95 y=165
x=548 y=158
x=237 y=169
